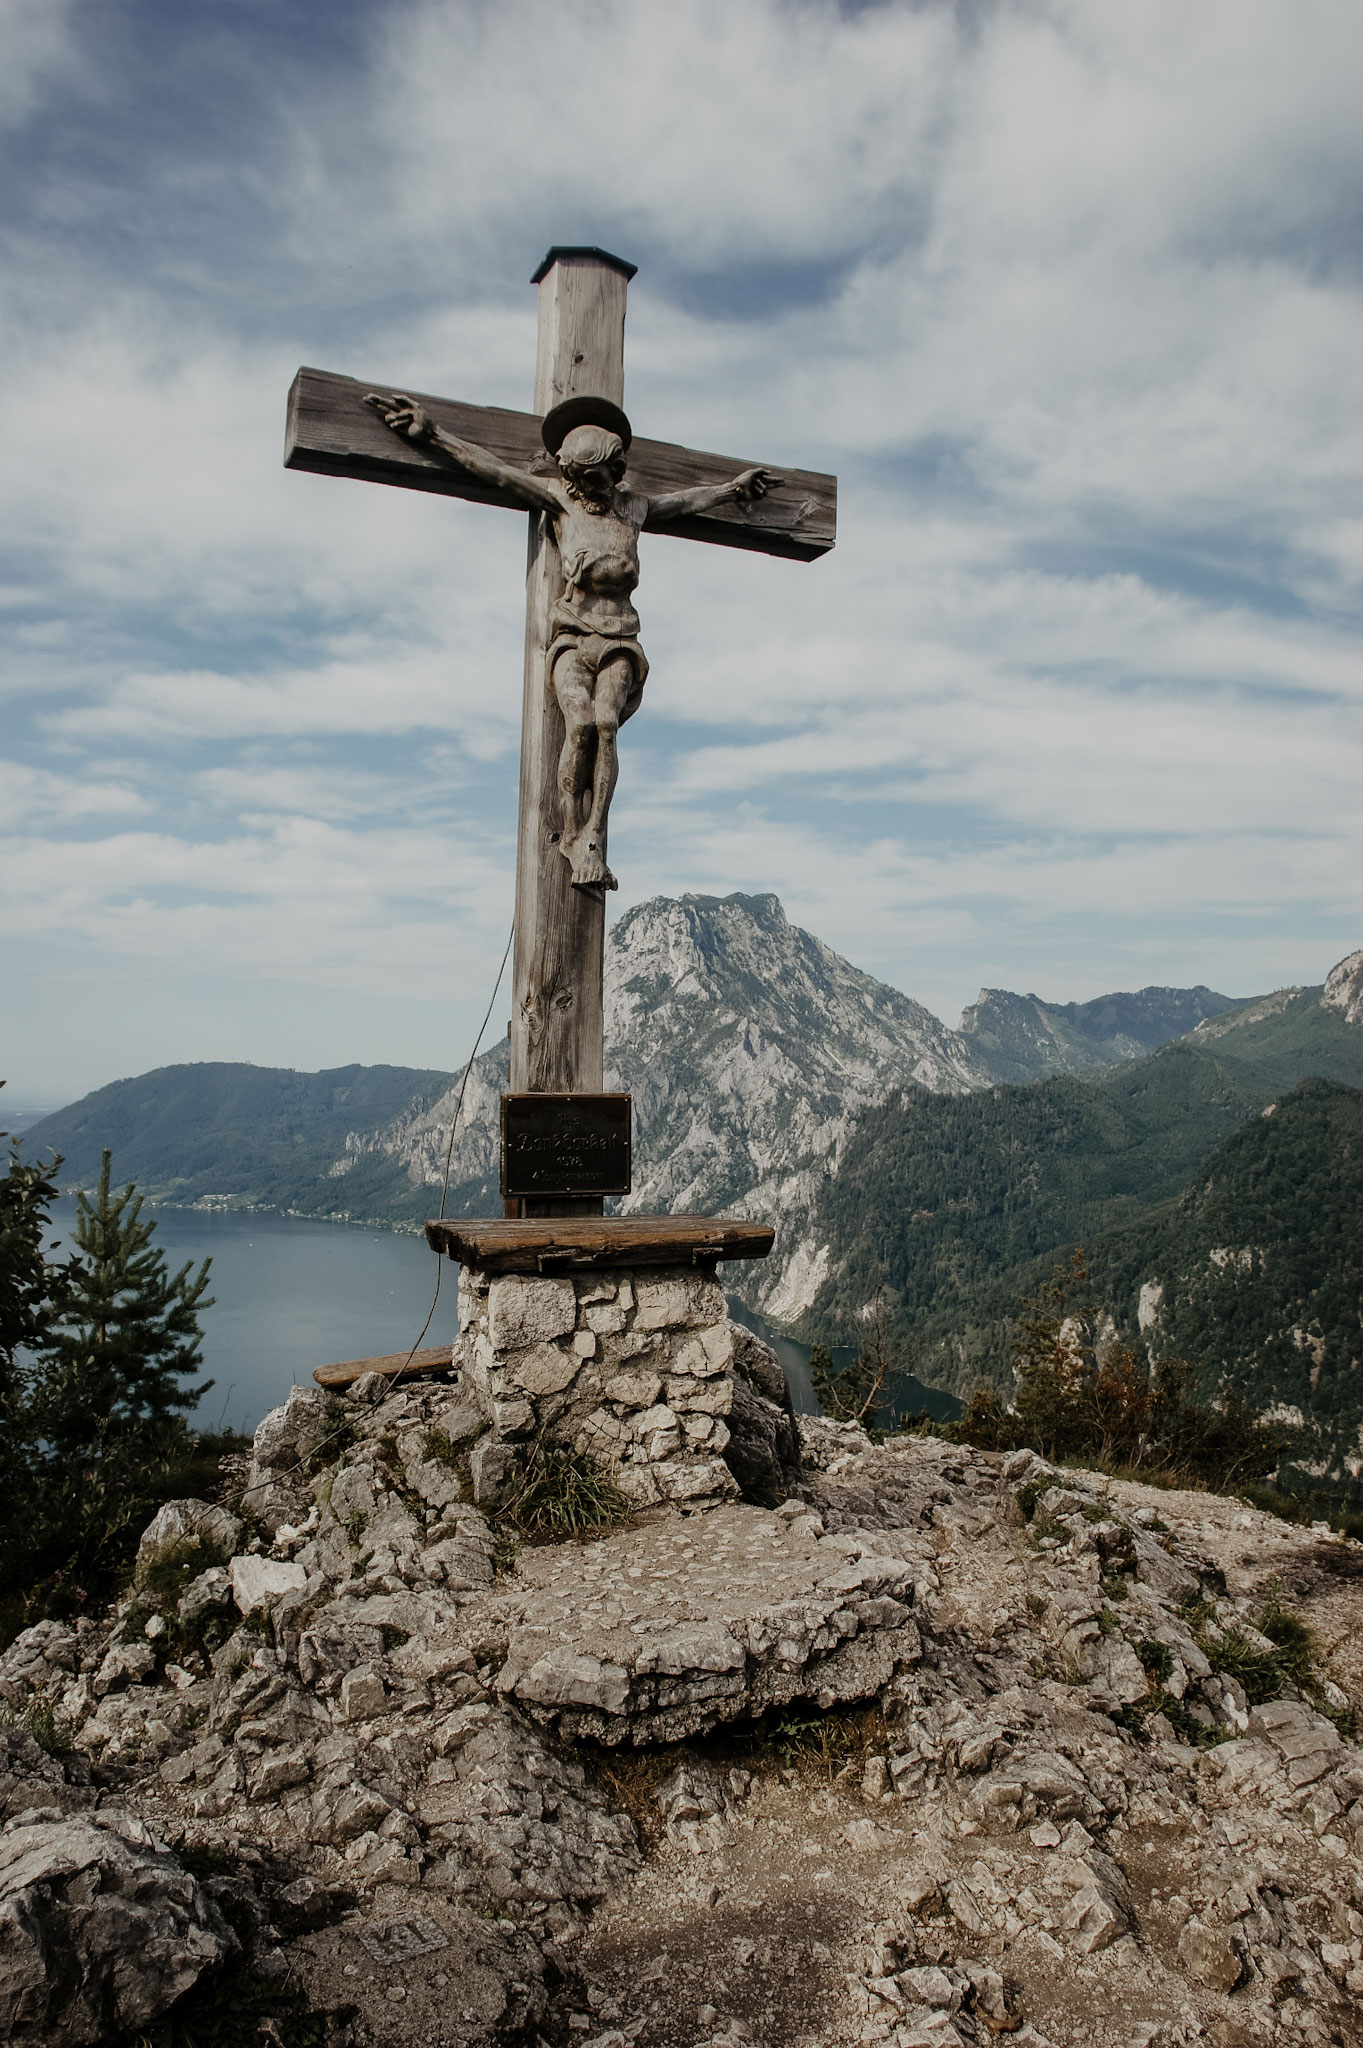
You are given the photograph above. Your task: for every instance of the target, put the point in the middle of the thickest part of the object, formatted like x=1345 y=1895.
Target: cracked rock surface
x=880 y=1764
x=100 y=1927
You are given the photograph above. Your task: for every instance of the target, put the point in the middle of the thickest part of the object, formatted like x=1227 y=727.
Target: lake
x=290 y=1294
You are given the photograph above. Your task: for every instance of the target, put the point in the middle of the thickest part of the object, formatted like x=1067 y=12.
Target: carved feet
x=588 y=863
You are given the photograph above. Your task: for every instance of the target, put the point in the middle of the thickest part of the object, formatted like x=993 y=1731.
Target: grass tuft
x=560 y=1493
x=830 y=1739
x=1294 y=1661
x=49 y=1729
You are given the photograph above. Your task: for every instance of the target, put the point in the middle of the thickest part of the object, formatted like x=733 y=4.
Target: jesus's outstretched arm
x=406 y=417
x=670 y=505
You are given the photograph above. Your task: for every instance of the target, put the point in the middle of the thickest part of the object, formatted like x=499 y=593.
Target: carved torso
x=600 y=555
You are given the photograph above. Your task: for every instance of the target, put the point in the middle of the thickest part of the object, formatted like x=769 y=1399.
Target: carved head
x=592 y=461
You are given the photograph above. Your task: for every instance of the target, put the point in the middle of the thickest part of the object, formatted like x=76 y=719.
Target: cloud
x=384 y=691
x=257 y=788
x=36 y=38
x=1076 y=700
x=294 y=898
x=38 y=796
x=748 y=129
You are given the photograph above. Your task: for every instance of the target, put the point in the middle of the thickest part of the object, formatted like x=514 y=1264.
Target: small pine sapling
x=109 y=1400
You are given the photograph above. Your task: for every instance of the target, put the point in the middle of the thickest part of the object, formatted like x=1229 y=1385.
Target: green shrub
x=985 y=1422
x=1157 y=1659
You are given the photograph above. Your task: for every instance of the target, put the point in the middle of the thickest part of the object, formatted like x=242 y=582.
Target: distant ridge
x=1024 y=1038
x=225 y=1134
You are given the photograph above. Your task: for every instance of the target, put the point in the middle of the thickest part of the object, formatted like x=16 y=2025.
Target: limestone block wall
x=633 y=1368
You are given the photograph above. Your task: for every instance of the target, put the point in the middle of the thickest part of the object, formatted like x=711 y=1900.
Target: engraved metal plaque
x=564 y=1145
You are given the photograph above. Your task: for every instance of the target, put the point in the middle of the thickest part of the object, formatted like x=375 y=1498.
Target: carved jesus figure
x=595 y=665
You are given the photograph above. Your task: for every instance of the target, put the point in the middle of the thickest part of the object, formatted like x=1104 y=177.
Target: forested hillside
x=1256 y=1272
x=952 y=1205
x=247 y=1137
x=1218 y=1193
x=1285 y=1037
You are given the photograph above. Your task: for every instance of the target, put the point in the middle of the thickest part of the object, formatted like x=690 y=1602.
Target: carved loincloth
x=594 y=648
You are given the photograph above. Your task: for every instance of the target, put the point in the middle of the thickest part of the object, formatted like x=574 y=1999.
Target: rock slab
x=101 y=1930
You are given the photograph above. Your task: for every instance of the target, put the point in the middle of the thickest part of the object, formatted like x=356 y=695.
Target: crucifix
x=590 y=488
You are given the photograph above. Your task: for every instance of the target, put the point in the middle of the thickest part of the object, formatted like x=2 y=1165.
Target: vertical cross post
x=557 y=1026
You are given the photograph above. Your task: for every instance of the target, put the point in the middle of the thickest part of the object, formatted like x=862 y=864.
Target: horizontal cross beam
x=334 y=433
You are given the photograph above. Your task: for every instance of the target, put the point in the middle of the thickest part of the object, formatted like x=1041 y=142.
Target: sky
x=1067 y=294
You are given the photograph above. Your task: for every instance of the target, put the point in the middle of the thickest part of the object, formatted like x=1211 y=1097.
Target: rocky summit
x=945 y=1747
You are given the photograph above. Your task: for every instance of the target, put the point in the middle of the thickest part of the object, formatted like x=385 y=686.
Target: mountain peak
x=765 y=910
x=1344 y=988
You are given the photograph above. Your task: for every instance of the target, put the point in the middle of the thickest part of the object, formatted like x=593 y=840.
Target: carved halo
x=586 y=411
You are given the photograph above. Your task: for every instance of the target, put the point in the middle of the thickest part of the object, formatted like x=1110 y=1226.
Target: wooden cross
x=557 y=1030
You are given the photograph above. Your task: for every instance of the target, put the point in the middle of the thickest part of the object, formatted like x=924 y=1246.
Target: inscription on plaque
x=563 y=1145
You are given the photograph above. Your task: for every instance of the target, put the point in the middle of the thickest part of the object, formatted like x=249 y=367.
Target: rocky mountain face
x=946 y=1747
x=749 y=1048
x=1022 y=1038
x=1343 y=989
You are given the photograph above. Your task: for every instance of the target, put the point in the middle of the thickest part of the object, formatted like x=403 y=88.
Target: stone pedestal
x=628 y=1355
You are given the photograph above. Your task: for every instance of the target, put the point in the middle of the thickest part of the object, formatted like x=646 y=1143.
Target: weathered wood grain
x=399 y=1365
x=581 y=330
x=544 y=1245
x=557 y=1020
x=333 y=432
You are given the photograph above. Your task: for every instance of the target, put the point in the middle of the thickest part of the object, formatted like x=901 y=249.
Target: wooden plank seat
x=565 y=1244
x=399 y=1365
